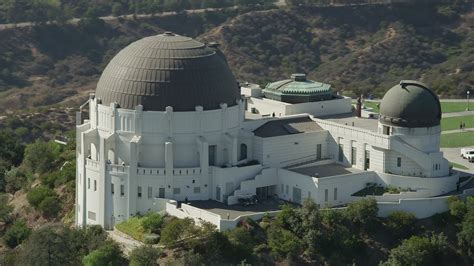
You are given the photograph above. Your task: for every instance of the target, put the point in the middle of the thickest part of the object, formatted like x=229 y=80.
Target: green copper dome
x=298 y=89
x=168 y=70
x=410 y=104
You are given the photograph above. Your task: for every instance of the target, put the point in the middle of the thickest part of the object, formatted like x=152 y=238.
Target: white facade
x=127 y=160
x=268 y=107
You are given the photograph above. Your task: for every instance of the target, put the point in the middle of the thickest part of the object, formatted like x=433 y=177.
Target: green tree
x=16 y=234
x=5 y=209
x=109 y=254
x=176 y=230
x=420 y=250
x=15 y=179
x=400 y=223
x=466 y=235
x=40 y=156
x=153 y=222
x=50 y=206
x=38 y=194
x=283 y=243
x=457 y=207
x=145 y=256
x=363 y=212
x=11 y=149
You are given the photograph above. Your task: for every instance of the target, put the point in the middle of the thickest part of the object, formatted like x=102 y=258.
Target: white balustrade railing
x=92 y=164
x=176 y=171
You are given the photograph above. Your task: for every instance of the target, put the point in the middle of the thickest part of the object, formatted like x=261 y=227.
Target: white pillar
x=169 y=165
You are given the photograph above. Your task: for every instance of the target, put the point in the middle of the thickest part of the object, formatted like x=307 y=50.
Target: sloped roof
x=283 y=127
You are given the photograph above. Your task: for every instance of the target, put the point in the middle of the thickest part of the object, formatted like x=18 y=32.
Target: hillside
x=357 y=49
x=364 y=49
x=61 y=64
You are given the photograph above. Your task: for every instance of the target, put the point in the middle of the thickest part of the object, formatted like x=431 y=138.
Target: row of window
x=354 y=156
x=176 y=191
x=326 y=194
x=89 y=184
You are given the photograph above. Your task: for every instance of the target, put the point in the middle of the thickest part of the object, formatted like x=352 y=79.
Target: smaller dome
x=410 y=104
x=298 y=89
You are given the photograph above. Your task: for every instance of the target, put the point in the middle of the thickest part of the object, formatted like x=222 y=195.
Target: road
x=454 y=155
x=111 y=18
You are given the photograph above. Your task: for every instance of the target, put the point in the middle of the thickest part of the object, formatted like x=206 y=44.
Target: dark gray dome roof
x=410 y=104
x=168 y=70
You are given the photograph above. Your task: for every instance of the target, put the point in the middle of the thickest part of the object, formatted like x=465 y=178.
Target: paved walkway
x=126 y=243
x=457 y=131
x=454 y=114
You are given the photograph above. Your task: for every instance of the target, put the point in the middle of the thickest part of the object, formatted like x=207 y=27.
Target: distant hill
x=364 y=49
x=358 y=49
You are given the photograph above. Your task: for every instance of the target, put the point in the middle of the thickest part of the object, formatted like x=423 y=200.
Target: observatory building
x=168 y=120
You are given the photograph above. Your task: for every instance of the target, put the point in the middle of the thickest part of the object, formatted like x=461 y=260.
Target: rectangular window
x=88 y=183
x=386 y=130
x=95 y=185
x=176 y=190
x=122 y=190
x=399 y=162
x=367 y=160
x=139 y=192
x=150 y=192
x=91 y=215
x=287 y=189
x=319 y=148
x=354 y=156
x=341 y=153
x=309 y=194
x=282 y=189
x=335 y=193
x=326 y=195
x=197 y=190
x=112 y=188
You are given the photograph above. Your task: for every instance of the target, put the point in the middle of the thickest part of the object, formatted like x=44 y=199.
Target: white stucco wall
x=266 y=106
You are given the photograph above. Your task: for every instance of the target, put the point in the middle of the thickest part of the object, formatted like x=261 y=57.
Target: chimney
x=359 y=107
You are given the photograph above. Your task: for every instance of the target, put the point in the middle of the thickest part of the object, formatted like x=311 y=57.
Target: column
x=101 y=183
x=169 y=165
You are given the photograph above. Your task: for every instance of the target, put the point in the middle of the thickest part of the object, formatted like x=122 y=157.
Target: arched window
x=111 y=157
x=243 y=151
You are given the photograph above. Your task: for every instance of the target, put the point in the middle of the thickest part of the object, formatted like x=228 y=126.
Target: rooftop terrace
x=321 y=171
x=352 y=120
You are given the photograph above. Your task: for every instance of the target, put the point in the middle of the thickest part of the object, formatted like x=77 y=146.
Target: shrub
x=16 y=234
x=400 y=223
x=466 y=235
x=283 y=243
x=50 y=206
x=5 y=208
x=145 y=256
x=41 y=156
x=419 y=250
x=38 y=194
x=176 y=230
x=363 y=212
x=457 y=207
x=153 y=222
x=110 y=254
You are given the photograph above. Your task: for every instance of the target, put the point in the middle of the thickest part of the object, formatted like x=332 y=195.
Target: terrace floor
x=321 y=171
x=350 y=119
x=233 y=211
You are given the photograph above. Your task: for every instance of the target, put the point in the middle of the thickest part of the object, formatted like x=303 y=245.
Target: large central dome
x=168 y=70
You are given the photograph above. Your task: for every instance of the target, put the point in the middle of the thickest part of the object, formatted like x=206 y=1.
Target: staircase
x=268 y=177
x=419 y=157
